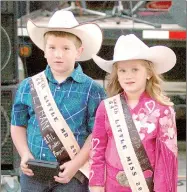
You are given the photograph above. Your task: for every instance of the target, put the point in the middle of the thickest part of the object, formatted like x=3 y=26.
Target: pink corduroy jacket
x=156 y=126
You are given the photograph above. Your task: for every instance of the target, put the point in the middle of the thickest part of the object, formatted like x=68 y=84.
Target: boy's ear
x=44 y=53
x=79 y=52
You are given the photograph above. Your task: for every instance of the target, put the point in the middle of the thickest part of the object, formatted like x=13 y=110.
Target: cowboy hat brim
x=163 y=59
x=89 y=33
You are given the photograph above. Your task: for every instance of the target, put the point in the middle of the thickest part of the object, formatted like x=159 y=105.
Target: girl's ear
x=149 y=74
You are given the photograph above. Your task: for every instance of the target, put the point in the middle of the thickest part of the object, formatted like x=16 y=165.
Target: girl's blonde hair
x=70 y=36
x=153 y=85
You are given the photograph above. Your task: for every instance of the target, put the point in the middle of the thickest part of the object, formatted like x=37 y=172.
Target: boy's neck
x=60 y=77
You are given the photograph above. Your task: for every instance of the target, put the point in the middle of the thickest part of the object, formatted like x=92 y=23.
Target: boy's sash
x=53 y=126
x=130 y=149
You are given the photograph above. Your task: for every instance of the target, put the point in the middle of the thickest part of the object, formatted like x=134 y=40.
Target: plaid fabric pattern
x=77 y=98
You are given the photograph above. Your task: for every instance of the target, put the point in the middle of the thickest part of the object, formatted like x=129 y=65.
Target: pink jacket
x=156 y=126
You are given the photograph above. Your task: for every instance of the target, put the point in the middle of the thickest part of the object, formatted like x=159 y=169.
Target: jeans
x=30 y=184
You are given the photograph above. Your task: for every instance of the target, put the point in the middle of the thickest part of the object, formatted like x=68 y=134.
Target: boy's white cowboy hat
x=130 y=47
x=89 y=33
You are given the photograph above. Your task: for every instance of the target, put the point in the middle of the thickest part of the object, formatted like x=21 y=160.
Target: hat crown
x=62 y=19
x=128 y=47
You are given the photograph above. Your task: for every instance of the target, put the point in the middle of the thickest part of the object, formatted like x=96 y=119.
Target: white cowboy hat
x=89 y=33
x=130 y=47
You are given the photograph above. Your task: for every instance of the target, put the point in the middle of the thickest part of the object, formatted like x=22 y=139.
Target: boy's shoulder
x=24 y=84
x=95 y=86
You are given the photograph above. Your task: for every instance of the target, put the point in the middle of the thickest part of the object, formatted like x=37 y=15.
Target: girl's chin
x=131 y=91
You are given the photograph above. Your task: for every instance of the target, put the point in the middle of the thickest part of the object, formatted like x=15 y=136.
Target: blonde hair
x=153 y=85
x=70 y=36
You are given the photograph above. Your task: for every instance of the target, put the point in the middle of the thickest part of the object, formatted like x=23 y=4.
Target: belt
x=120 y=176
x=123 y=181
x=80 y=176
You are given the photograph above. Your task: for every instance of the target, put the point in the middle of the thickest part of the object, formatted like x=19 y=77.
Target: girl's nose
x=128 y=74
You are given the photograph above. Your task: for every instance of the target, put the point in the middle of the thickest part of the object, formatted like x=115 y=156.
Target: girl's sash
x=53 y=126
x=130 y=149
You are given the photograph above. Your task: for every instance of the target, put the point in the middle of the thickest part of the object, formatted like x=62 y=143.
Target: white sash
x=124 y=146
x=56 y=119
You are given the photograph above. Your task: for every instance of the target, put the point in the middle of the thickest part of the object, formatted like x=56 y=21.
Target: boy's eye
x=66 y=48
x=51 y=47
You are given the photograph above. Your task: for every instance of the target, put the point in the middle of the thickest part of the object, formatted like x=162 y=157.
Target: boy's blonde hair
x=70 y=36
x=153 y=85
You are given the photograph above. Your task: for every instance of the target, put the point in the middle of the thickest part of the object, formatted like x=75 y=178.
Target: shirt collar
x=77 y=75
x=142 y=96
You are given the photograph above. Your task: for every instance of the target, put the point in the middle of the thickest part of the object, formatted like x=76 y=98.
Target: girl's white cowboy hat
x=89 y=33
x=130 y=47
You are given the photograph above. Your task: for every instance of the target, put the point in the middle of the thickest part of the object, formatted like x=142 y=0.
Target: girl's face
x=132 y=76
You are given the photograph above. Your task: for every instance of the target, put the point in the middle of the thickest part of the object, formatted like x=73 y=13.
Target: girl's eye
x=51 y=47
x=66 y=48
x=135 y=69
x=122 y=70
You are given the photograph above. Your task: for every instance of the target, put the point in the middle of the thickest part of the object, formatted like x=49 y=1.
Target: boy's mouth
x=58 y=62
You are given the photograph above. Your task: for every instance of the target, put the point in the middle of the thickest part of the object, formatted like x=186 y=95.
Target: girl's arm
x=97 y=155
x=166 y=166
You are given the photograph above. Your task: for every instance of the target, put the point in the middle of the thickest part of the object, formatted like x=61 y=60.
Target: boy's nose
x=58 y=54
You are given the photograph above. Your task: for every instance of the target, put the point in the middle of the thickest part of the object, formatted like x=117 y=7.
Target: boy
x=76 y=98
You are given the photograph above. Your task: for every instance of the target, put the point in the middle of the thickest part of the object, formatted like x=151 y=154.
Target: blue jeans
x=30 y=184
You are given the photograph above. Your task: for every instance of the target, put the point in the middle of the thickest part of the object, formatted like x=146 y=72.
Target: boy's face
x=61 y=54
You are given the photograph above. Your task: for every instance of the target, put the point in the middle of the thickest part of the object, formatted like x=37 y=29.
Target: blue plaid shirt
x=77 y=98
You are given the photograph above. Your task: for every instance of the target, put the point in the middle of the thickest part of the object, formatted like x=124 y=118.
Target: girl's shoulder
x=153 y=106
x=164 y=108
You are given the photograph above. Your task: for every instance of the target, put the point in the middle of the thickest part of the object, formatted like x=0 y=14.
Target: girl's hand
x=96 y=189
x=24 y=166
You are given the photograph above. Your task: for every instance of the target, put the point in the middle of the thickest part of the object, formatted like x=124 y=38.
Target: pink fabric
x=157 y=129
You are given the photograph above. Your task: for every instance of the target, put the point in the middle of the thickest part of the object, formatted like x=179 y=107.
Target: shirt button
x=43 y=155
x=58 y=87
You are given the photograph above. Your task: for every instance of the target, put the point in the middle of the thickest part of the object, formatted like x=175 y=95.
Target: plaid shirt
x=77 y=98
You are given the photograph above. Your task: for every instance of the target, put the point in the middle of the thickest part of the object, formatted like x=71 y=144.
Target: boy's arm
x=71 y=167
x=83 y=156
x=18 y=134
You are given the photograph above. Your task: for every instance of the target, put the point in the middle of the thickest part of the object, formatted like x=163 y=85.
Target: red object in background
x=177 y=35
x=159 y=5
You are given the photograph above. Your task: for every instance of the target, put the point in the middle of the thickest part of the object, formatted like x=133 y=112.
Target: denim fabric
x=29 y=184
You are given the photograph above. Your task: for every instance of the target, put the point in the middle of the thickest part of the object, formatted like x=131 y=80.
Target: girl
x=134 y=141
